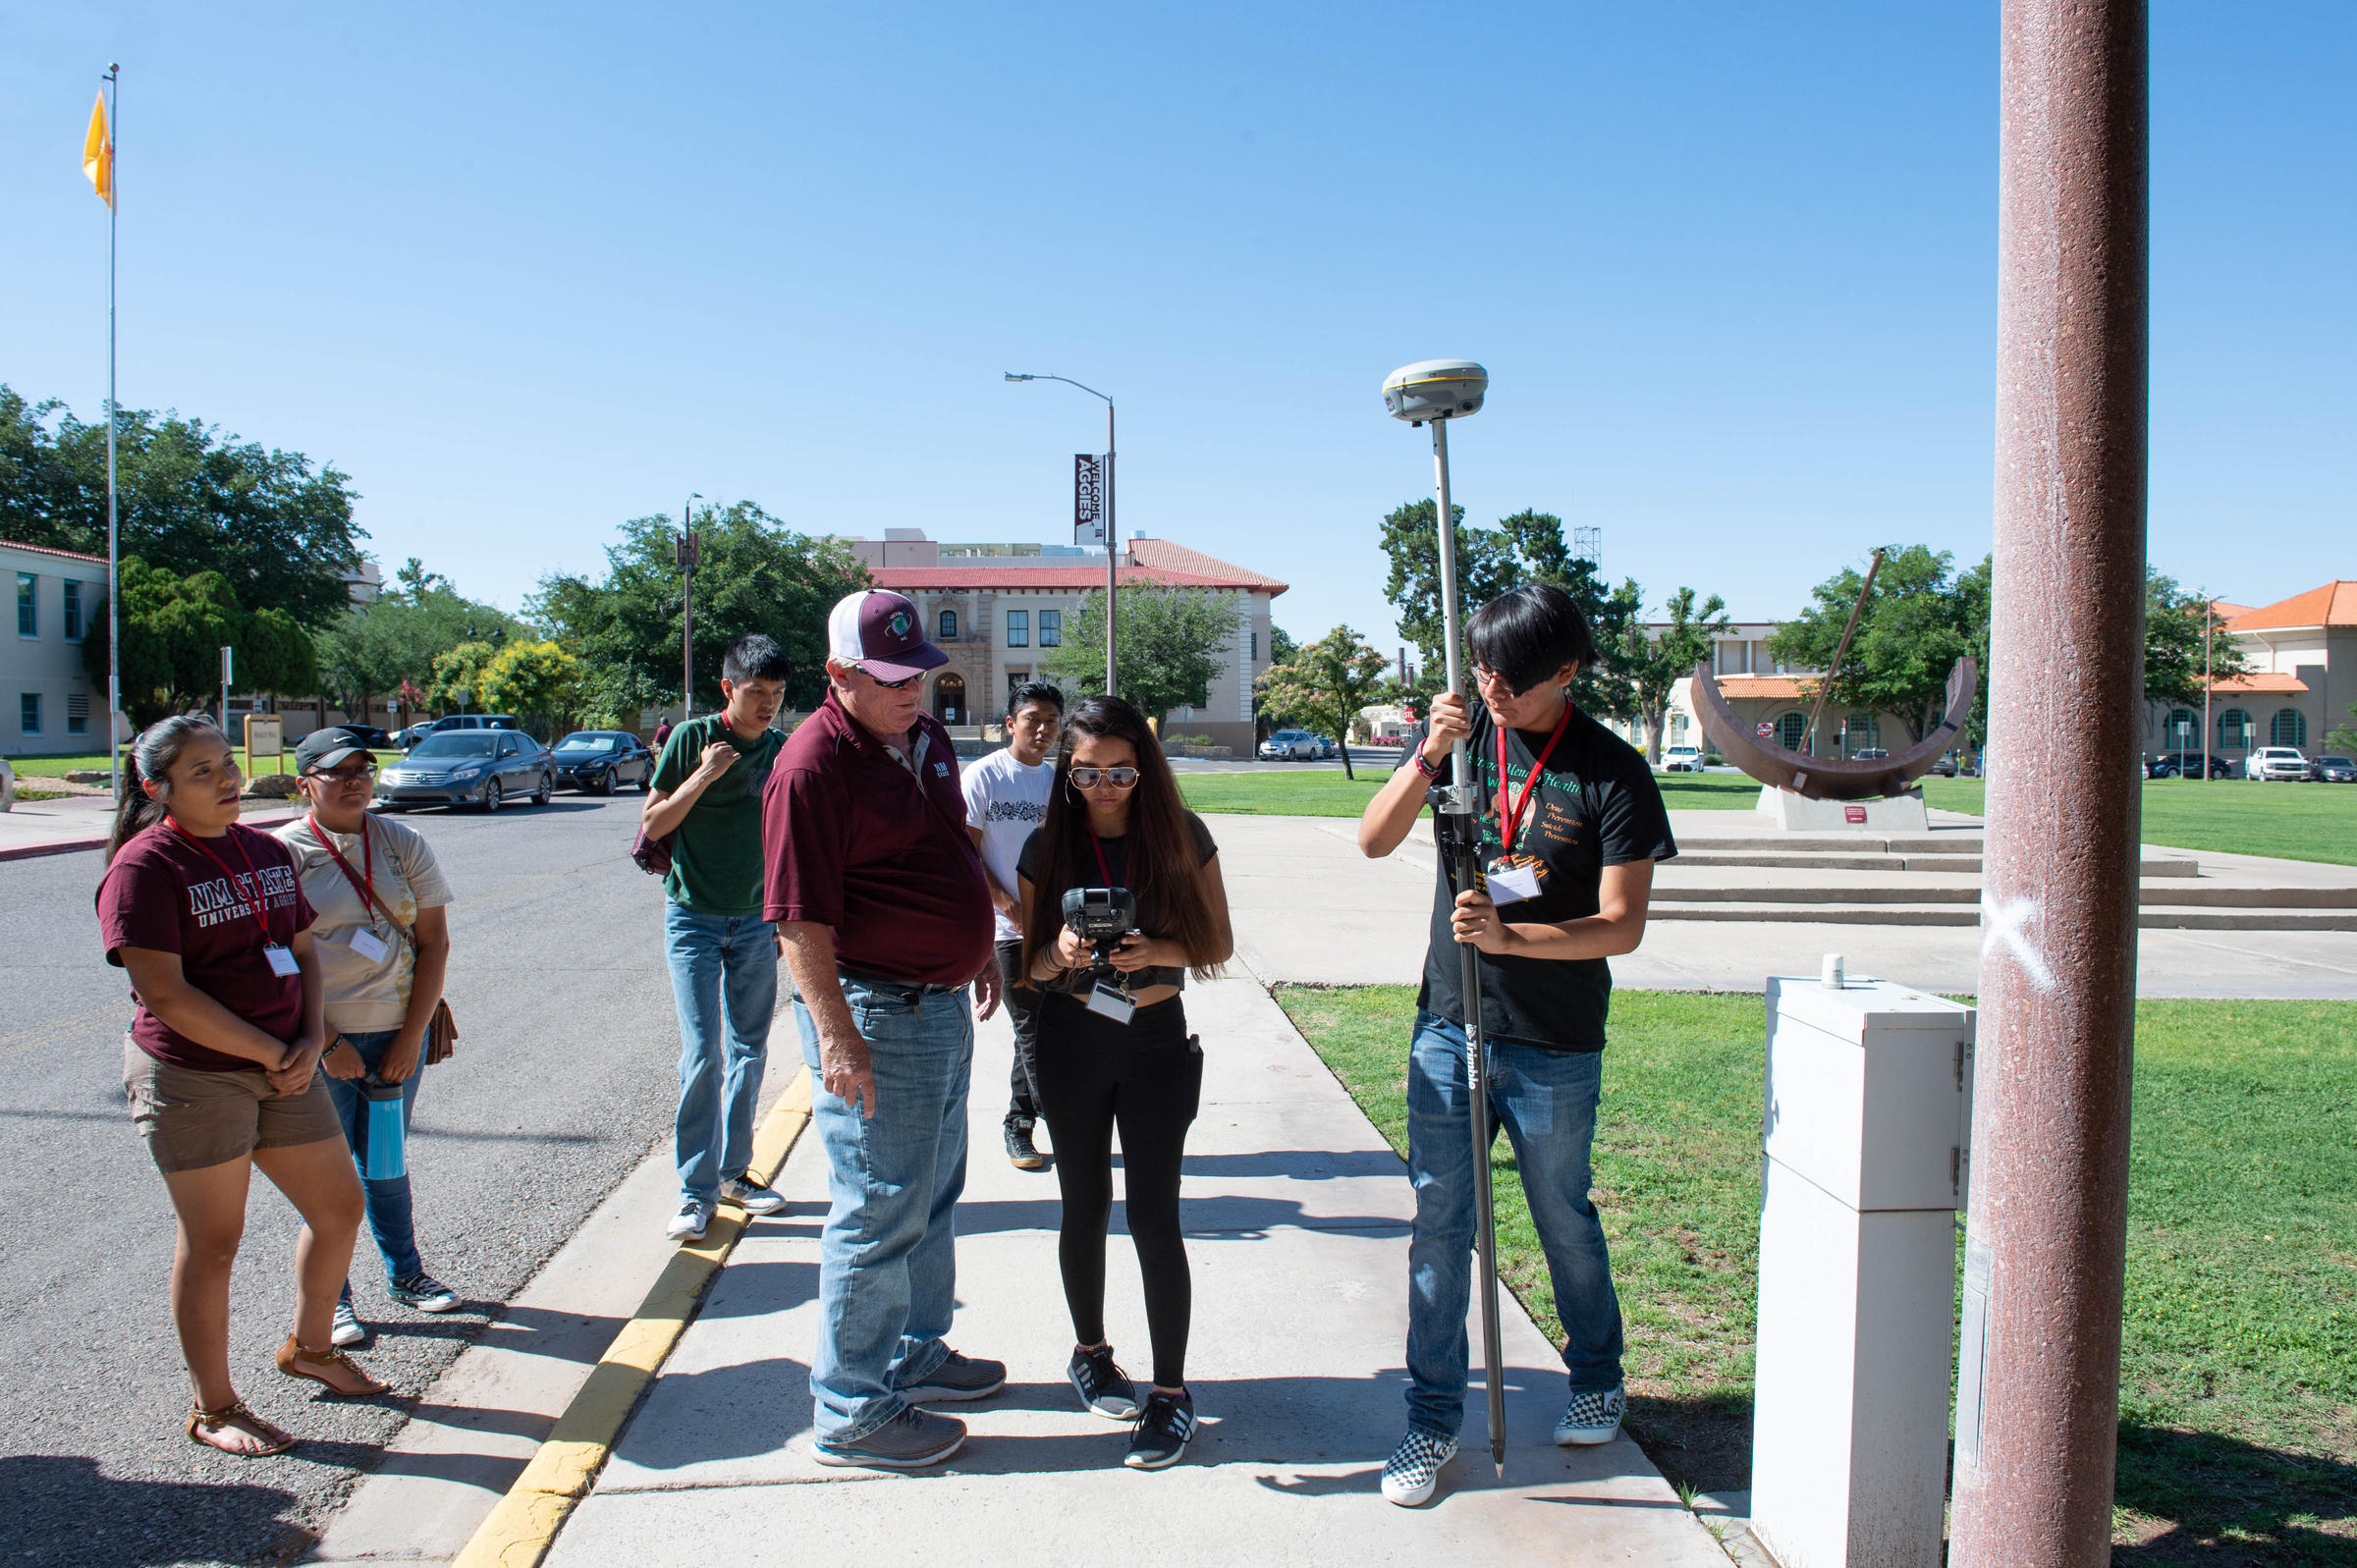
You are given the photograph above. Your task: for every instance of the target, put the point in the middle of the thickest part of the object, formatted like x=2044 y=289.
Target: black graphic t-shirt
x=1596 y=805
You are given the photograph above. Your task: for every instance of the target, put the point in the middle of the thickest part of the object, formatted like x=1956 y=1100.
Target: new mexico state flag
x=98 y=153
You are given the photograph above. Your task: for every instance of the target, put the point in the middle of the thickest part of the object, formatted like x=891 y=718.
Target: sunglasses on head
x=1119 y=777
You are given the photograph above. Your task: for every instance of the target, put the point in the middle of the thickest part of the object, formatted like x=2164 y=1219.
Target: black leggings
x=1145 y=1077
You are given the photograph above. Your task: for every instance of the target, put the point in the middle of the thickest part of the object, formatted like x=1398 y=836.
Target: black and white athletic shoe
x=1162 y=1432
x=1592 y=1419
x=1103 y=1388
x=1414 y=1468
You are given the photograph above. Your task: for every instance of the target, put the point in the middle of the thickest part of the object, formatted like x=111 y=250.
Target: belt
x=912 y=987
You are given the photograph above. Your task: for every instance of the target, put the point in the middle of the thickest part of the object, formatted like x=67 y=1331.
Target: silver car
x=480 y=768
x=1289 y=746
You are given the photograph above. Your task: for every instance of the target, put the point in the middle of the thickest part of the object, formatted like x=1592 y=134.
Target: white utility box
x=1865 y=1163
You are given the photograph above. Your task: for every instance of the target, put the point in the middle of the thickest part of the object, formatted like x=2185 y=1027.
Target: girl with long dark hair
x=1112 y=1048
x=208 y=917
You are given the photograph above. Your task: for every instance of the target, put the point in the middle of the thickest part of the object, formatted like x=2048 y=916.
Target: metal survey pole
x=2037 y=1392
x=1463 y=804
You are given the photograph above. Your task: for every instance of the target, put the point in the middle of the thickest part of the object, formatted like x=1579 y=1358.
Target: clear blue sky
x=524 y=272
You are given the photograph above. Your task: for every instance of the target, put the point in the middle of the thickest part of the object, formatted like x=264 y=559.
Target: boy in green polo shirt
x=706 y=794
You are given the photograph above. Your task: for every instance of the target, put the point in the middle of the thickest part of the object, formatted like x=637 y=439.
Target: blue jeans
x=388 y=1199
x=723 y=979
x=887 y=1259
x=1546 y=1101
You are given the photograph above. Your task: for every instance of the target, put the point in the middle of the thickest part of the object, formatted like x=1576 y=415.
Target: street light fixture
x=1434 y=391
x=684 y=556
x=1113 y=532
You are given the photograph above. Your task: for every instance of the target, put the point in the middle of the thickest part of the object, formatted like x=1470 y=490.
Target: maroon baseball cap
x=879 y=632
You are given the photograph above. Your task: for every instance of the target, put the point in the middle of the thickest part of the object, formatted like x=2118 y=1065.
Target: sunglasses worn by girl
x=1119 y=777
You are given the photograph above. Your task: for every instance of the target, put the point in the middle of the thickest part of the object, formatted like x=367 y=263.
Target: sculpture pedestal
x=1903 y=813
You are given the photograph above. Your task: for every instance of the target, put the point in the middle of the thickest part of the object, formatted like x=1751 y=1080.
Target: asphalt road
x=563 y=1079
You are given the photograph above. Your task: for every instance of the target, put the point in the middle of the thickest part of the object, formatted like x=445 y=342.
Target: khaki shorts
x=192 y=1119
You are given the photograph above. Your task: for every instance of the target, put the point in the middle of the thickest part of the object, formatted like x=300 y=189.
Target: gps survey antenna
x=1434 y=391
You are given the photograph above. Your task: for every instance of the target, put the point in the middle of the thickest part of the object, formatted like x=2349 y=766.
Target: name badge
x=368 y=945
x=1108 y=1002
x=281 y=962
x=1510 y=883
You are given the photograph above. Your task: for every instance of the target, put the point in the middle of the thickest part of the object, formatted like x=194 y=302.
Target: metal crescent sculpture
x=1825 y=778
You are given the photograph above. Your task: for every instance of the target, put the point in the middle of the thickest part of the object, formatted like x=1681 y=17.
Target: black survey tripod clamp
x=1100 y=917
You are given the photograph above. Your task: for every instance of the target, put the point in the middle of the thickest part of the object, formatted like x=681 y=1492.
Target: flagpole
x=114 y=588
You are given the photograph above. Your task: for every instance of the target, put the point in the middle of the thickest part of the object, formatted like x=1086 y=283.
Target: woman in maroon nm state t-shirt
x=220 y=1068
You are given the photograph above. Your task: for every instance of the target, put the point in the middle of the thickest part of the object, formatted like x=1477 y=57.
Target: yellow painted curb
x=524 y=1524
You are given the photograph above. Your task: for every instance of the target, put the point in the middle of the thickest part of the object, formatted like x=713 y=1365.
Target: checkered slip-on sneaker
x=1414 y=1468
x=1592 y=1419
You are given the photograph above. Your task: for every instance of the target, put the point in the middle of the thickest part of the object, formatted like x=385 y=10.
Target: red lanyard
x=1513 y=816
x=1102 y=866
x=253 y=905
x=367 y=889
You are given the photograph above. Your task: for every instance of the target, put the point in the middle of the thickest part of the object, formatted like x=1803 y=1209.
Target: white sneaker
x=1592 y=1419
x=349 y=1329
x=752 y=1197
x=1414 y=1468
x=690 y=1222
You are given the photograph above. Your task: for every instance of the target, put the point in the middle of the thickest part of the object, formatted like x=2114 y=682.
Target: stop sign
x=1766 y=730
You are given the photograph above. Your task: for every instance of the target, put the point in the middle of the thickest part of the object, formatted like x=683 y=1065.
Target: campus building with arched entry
x=1000 y=610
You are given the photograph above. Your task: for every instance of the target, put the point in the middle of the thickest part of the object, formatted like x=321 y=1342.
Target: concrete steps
x=1934 y=879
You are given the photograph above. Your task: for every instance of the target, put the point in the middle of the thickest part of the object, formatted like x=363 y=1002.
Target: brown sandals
x=275 y=1440
x=296 y=1361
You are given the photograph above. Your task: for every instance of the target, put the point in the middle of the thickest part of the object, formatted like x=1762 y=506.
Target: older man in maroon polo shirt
x=884 y=918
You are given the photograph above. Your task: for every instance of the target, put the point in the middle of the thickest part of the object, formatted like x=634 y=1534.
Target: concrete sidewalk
x=1297 y=1216
x=83 y=822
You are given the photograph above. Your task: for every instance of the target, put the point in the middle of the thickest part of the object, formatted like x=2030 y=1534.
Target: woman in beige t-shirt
x=380 y=989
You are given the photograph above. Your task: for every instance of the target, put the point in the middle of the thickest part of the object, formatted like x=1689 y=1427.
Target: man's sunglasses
x=1119 y=777
x=349 y=773
x=890 y=686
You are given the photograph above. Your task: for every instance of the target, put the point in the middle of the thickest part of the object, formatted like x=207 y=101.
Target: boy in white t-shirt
x=1005 y=795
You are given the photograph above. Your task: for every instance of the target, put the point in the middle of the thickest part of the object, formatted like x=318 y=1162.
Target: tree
x=390 y=643
x=2173 y=631
x=459 y=677
x=174 y=629
x=755 y=575
x=534 y=679
x=278 y=530
x=1921 y=619
x=1657 y=664
x=1325 y=683
x=1527 y=547
x=1167 y=651
x=2345 y=738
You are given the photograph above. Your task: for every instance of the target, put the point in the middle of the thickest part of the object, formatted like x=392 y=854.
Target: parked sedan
x=482 y=768
x=1681 y=759
x=1327 y=749
x=2170 y=765
x=1289 y=746
x=2333 y=770
x=598 y=762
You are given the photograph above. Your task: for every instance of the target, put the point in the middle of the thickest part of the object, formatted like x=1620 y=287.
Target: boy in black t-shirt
x=1571 y=825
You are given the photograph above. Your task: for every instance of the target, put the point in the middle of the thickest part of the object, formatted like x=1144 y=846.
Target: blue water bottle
x=383 y=1155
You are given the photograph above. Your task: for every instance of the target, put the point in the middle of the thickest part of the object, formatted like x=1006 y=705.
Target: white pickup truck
x=2276 y=762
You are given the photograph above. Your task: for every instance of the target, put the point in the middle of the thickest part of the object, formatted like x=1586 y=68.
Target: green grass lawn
x=1330 y=795
x=2238 y=1407
x=2293 y=821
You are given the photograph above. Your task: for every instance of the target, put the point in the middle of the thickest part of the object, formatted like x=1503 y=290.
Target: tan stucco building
x=998 y=609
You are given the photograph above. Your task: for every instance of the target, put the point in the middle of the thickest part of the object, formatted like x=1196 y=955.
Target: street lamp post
x=684 y=556
x=1113 y=532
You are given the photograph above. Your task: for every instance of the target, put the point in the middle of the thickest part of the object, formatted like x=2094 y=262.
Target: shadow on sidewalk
x=1215 y=1217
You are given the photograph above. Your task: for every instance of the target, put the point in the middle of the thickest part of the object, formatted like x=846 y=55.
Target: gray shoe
x=958 y=1377
x=349 y=1329
x=751 y=1196
x=690 y=1222
x=911 y=1440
